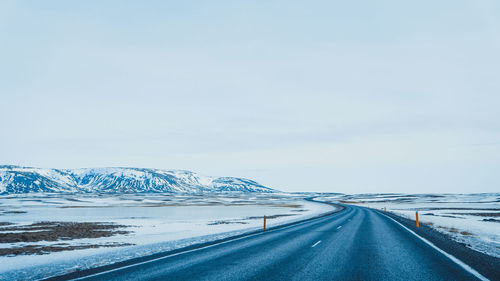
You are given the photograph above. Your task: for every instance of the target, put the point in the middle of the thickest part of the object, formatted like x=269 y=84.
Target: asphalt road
x=353 y=244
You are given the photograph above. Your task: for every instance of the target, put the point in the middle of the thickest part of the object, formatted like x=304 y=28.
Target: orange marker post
x=416 y=215
x=264 y=223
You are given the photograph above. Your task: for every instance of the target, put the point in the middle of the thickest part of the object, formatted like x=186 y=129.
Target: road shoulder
x=488 y=266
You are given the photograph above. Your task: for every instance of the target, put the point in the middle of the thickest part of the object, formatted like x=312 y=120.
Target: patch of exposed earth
x=56 y=231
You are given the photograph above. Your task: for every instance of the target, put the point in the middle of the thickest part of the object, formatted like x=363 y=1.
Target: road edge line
x=450 y=256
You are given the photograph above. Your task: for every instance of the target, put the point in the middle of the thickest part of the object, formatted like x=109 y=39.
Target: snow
x=16 y=179
x=3 y=184
x=159 y=222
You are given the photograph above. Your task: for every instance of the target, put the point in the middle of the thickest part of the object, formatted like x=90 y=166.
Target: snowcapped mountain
x=15 y=179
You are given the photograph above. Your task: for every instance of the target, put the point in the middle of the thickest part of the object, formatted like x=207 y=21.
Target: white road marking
x=339 y=227
x=454 y=259
x=316 y=244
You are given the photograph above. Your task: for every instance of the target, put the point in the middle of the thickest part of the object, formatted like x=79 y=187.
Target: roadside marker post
x=264 y=223
x=416 y=215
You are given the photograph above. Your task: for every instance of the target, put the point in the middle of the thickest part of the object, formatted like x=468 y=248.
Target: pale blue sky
x=341 y=96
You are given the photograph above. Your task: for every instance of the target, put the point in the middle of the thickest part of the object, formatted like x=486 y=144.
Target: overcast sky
x=340 y=96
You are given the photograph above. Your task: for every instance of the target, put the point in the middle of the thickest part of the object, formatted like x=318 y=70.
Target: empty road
x=353 y=244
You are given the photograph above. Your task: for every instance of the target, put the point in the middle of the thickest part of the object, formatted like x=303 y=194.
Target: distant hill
x=15 y=179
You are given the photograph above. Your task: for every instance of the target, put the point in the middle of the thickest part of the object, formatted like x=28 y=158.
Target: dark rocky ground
x=55 y=231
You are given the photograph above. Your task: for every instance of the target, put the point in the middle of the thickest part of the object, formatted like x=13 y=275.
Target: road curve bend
x=354 y=244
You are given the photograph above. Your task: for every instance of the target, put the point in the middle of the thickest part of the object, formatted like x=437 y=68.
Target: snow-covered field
x=472 y=219
x=150 y=222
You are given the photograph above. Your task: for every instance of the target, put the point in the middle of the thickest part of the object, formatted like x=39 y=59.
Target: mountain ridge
x=18 y=180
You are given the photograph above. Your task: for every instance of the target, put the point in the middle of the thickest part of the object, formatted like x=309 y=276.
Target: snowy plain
x=471 y=219
x=154 y=222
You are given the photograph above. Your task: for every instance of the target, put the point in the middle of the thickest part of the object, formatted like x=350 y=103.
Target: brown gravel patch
x=45 y=249
x=480 y=214
x=54 y=231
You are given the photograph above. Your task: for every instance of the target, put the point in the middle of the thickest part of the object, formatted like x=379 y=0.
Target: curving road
x=353 y=244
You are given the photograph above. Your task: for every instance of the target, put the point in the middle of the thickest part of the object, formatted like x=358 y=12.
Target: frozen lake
x=118 y=213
